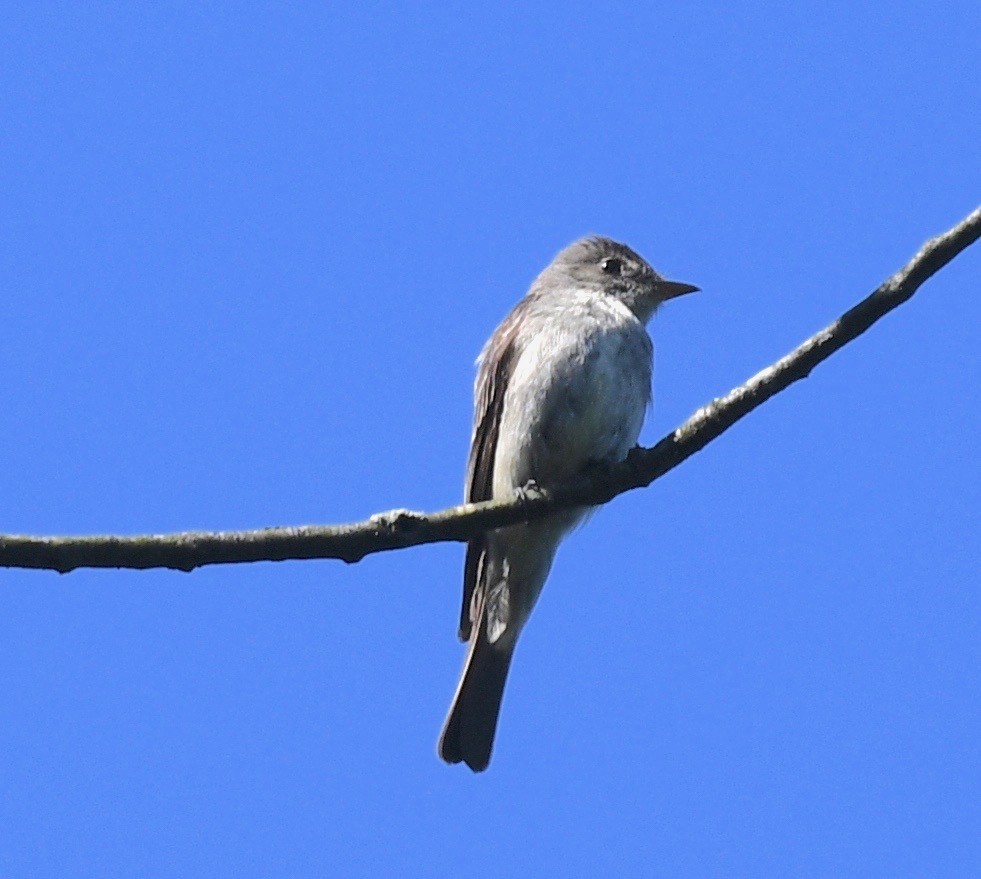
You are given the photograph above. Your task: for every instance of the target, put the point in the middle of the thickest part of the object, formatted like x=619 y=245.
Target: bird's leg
x=529 y=491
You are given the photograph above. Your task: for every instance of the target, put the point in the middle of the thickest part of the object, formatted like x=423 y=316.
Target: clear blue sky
x=248 y=256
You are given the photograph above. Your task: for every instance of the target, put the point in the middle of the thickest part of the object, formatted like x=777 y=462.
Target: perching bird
x=562 y=385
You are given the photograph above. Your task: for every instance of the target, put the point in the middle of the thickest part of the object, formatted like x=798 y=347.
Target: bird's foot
x=529 y=491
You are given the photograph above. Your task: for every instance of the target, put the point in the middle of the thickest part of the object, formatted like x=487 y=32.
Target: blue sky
x=249 y=253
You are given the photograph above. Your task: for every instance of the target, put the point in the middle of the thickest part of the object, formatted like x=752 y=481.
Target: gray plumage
x=563 y=384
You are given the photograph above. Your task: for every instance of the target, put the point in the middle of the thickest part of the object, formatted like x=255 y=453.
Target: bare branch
x=402 y=528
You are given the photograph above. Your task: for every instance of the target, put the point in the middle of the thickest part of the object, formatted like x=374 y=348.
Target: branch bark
x=402 y=528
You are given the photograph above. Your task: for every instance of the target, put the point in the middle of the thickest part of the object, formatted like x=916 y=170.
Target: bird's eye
x=612 y=266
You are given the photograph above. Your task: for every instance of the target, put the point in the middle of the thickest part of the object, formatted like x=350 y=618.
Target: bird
x=563 y=386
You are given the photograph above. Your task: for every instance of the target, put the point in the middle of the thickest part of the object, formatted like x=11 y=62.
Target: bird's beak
x=672 y=289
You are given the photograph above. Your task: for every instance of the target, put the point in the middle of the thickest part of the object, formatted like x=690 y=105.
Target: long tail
x=468 y=734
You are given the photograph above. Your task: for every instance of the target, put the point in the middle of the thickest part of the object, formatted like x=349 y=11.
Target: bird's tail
x=468 y=734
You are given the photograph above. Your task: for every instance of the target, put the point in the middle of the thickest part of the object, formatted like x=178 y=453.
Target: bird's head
x=607 y=267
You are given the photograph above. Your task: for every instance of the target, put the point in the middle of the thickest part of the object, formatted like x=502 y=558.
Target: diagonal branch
x=401 y=528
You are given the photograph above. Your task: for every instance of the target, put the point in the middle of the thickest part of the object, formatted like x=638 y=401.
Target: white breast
x=577 y=395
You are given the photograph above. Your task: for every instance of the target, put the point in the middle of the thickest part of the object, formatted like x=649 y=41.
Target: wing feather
x=496 y=367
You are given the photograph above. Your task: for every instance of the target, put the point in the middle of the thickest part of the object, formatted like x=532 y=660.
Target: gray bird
x=562 y=385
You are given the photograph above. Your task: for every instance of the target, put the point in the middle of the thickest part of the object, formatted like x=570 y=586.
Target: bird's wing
x=496 y=367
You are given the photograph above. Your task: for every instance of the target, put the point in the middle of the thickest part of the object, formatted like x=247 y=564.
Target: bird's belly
x=598 y=420
x=575 y=411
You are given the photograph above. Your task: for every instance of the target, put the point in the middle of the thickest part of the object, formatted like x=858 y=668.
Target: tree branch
x=401 y=528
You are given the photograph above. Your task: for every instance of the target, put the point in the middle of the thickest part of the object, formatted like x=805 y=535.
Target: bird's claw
x=529 y=491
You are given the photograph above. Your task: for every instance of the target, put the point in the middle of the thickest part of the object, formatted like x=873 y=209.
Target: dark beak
x=672 y=289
